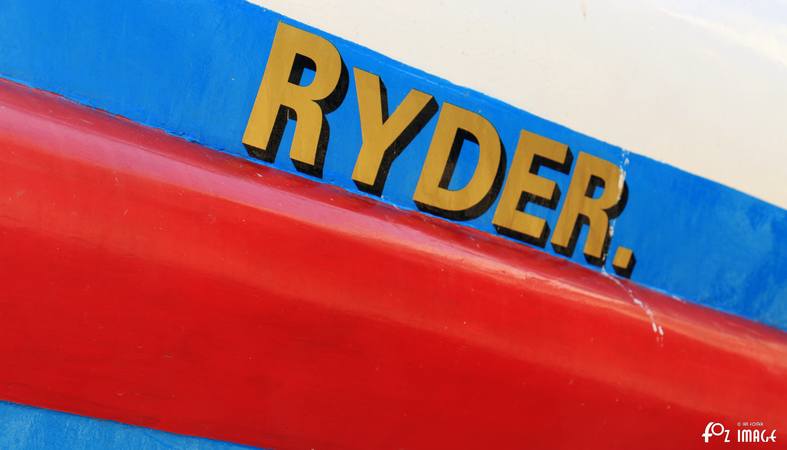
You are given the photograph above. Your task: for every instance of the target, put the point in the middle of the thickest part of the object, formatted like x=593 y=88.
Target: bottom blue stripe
x=25 y=427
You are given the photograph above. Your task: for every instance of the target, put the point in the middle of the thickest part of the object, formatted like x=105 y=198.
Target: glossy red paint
x=159 y=283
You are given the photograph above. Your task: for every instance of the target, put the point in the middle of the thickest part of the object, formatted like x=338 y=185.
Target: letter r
x=281 y=97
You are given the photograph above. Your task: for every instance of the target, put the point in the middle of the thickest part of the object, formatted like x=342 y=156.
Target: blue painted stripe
x=28 y=428
x=193 y=70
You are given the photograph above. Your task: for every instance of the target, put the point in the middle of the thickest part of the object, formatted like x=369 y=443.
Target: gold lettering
x=454 y=126
x=385 y=137
x=523 y=185
x=281 y=97
x=581 y=207
x=623 y=262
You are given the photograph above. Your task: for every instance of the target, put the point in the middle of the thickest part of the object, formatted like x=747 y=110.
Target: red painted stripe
x=159 y=283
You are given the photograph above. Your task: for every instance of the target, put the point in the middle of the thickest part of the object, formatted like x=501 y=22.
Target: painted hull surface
x=223 y=228
x=162 y=284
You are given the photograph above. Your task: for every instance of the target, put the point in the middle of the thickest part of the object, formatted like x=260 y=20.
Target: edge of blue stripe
x=29 y=428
